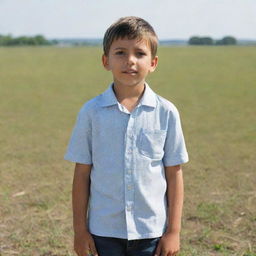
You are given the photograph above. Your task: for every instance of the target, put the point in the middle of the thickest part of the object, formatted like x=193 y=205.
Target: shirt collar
x=109 y=98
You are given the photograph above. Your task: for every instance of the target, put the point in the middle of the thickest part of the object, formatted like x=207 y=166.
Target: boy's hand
x=169 y=244
x=84 y=244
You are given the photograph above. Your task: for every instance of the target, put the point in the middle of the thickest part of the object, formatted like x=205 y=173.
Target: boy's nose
x=131 y=59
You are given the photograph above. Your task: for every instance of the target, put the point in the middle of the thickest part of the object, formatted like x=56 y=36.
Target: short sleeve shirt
x=128 y=152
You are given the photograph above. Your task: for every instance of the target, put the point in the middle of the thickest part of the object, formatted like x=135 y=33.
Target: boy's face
x=130 y=61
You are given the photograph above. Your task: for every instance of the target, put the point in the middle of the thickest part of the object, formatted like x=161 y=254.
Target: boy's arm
x=80 y=196
x=83 y=241
x=175 y=193
x=170 y=241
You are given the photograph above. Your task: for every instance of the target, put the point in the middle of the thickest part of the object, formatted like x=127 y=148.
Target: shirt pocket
x=151 y=143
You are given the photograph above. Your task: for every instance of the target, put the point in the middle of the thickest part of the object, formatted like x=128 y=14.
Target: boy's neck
x=132 y=93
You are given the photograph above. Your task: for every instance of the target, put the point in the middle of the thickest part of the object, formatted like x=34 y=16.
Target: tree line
x=227 y=40
x=8 y=40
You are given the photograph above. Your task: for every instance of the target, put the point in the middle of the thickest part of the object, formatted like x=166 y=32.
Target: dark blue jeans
x=110 y=246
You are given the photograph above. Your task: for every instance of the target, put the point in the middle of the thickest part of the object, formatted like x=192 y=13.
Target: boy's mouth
x=130 y=71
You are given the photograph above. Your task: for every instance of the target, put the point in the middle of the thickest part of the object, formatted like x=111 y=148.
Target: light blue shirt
x=128 y=152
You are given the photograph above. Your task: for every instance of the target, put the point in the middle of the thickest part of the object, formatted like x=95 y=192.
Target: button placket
x=129 y=168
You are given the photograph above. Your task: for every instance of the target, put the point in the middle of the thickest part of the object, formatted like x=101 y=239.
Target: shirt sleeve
x=175 y=151
x=80 y=145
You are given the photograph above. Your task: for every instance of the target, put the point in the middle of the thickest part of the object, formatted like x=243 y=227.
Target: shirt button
x=129 y=187
x=129 y=208
x=129 y=171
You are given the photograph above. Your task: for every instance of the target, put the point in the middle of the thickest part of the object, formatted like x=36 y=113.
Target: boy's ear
x=105 y=62
x=154 y=63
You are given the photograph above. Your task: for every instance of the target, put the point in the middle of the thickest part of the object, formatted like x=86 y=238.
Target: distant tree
x=195 y=40
x=24 y=40
x=218 y=42
x=53 y=42
x=40 y=40
x=5 y=40
x=207 y=41
x=228 y=40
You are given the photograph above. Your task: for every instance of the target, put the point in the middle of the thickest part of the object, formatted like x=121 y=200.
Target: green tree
x=207 y=41
x=5 y=40
x=195 y=40
x=24 y=40
x=229 y=40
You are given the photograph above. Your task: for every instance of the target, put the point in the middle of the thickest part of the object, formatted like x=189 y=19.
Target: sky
x=171 y=19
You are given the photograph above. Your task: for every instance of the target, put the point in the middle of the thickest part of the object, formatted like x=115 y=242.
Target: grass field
x=41 y=91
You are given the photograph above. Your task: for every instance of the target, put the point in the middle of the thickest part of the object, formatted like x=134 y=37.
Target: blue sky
x=172 y=19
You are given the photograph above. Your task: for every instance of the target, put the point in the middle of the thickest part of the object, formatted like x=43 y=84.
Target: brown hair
x=132 y=28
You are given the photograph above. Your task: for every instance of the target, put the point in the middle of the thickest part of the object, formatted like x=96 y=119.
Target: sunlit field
x=41 y=91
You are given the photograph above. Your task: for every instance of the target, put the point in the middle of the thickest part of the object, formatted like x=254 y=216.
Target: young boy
x=128 y=148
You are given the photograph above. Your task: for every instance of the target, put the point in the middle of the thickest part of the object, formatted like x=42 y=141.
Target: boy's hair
x=133 y=28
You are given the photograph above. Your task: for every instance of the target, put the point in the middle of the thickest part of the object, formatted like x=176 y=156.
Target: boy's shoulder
x=98 y=101
x=166 y=104
x=91 y=104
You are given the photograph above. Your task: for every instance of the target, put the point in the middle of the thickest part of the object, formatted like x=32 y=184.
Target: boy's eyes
x=119 y=52
x=137 y=53
x=141 y=53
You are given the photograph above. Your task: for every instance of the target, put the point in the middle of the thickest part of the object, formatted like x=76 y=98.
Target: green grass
x=41 y=91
